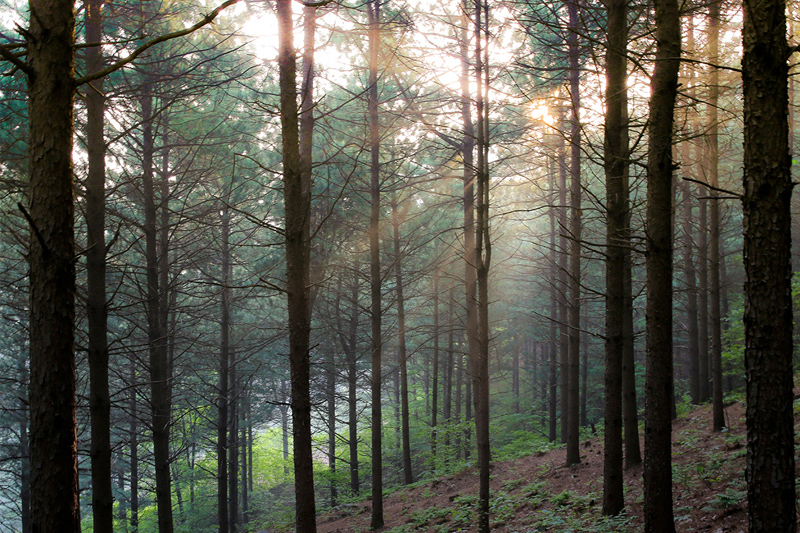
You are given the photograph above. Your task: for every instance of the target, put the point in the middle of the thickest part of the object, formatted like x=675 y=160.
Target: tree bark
x=615 y=162
x=51 y=256
x=349 y=345
x=233 y=447
x=447 y=407
x=158 y=357
x=702 y=300
x=244 y=442
x=408 y=474
x=767 y=259
x=563 y=281
x=691 y=296
x=96 y=310
x=331 y=406
x=224 y=376
x=554 y=341
x=297 y=237
x=373 y=12
x=435 y=370
x=479 y=339
x=134 y=449
x=658 y=378
x=573 y=390
x=714 y=222
x=630 y=407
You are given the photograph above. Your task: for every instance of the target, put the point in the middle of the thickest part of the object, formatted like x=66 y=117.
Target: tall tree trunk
x=134 y=445
x=767 y=251
x=96 y=310
x=714 y=222
x=702 y=300
x=233 y=448
x=459 y=379
x=615 y=162
x=297 y=237
x=573 y=390
x=178 y=493
x=435 y=384
x=408 y=474
x=373 y=12
x=469 y=177
x=224 y=375
x=479 y=339
x=350 y=345
x=51 y=257
x=447 y=407
x=658 y=378
x=158 y=356
x=630 y=407
x=515 y=375
x=554 y=270
x=563 y=282
x=243 y=441
x=691 y=296
x=584 y=370
x=331 y=401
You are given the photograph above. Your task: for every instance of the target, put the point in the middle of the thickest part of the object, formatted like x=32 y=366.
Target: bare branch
x=14 y=59
x=718 y=189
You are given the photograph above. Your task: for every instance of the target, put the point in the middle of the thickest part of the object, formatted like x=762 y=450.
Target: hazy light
x=540 y=111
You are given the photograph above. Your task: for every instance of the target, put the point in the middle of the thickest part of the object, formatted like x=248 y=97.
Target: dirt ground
x=537 y=493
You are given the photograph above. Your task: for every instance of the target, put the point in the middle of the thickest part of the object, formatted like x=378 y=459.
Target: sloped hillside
x=536 y=493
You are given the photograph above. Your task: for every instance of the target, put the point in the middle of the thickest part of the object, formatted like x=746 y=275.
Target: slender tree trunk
x=714 y=222
x=553 y=375
x=246 y=421
x=331 y=401
x=435 y=384
x=702 y=311
x=479 y=339
x=159 y=371
x=469 y=176
x=658 y=379
x=223 y=398
x=51 y=257
x=99 y=399
x=351 y=348
x=515 y=376
x=630 y=408
x=573 y=390
x=771 y=491
x=459 y=378
x=233 y=448
x=373 y=11
x=134 y=445
x=563 y=282
x=297 y=237
x=616 y=156
x=447 y=407
x=122 y=508
x=584 y=371
x=408 y=475
x=178 y=493
x=691 y=296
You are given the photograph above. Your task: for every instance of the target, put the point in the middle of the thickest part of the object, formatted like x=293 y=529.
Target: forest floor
x=537 y=493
